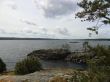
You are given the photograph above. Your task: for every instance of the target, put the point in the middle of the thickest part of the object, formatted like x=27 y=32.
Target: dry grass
x=8 y=73
x=27 y=80
x=58 y=79
x=10 y=80
x=7 y=79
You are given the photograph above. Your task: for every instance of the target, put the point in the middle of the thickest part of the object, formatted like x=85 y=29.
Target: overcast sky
x=44 y=19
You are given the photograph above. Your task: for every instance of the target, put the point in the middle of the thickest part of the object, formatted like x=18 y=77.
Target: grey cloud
x=29 y=22
x=14 y=7
x=1 y=1
x=45 y=30
x=63 y=31
x=42 y=31
x=11 y=4
x=2 y=31
x=41 y=34
x=29 y=31
x=57 y=8
x=12 y=33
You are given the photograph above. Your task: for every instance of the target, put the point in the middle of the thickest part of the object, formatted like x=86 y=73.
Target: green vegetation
x=95 y=9
x=2 y=66
x=79 y=76
x=99 y=63
x=27 y=65
x=98 y=10
x=98 y=66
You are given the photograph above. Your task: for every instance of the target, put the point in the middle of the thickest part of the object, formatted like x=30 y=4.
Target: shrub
x=98 y=66
x=27 y=65
x=2 y=66
x=66 y=47
x=79 y=76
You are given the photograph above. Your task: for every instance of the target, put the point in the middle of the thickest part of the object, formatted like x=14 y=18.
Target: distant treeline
x=16 y=38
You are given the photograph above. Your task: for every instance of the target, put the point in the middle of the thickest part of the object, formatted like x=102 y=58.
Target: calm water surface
x=12 y=51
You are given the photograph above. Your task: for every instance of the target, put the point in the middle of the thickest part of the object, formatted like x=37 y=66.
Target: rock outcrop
x=47 y=75
x=79 y=57
x=50 y=54
x=62 y=54
x=76 y=58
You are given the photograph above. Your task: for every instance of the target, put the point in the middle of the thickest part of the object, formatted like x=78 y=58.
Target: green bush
x=27 y=65
x=2 y=66
x=98 y=66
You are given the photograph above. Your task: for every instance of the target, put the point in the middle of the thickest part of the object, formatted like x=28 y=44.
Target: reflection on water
x=60 y=64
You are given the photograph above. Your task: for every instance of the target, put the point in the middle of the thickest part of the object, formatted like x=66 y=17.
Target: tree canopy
x=95 y=10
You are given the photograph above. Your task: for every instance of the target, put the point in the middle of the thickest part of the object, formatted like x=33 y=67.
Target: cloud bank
x=43 y=19
x=55 y=8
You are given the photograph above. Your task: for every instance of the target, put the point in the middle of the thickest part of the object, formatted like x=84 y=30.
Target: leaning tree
x=95 y=10
x=99 y=65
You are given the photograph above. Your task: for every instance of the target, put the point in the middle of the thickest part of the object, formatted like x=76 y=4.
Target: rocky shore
x=50 y=54
x=47 y=75
x=60 y=54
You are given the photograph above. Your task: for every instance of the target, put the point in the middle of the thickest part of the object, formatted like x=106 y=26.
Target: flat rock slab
x=41 y=76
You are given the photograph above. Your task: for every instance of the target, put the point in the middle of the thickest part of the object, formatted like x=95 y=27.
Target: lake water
x=12 y=51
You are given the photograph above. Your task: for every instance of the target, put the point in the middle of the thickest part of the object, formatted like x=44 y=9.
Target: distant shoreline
x=16 y=38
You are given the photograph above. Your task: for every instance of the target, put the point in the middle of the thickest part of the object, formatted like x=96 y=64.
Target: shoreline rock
x=50 y=54
x=60 y=54
x=41 y=76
